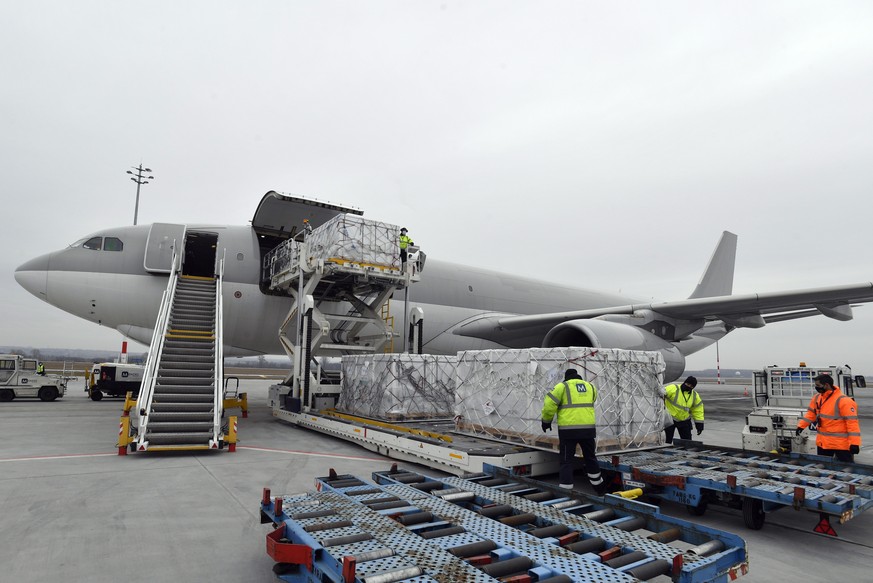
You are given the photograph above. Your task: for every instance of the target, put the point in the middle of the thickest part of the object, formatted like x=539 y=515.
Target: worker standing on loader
x=839 y=433
x=683 y=403
x=573 y=400
x=405 y=241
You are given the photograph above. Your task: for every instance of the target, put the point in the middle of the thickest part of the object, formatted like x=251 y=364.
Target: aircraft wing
x=741 y=311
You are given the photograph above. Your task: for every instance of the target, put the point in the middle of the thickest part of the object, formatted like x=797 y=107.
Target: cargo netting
x=344 y=238
x=499 y=394
x=398 y=387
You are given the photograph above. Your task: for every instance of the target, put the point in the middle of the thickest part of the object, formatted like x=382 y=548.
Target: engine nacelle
x=601 y=334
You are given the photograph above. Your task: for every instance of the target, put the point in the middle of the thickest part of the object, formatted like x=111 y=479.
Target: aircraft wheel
x=753 y=513
x=6 y=395
x=96 y=394
x=48 y=393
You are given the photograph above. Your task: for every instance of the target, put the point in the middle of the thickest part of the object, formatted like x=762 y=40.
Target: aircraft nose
x=33 y=276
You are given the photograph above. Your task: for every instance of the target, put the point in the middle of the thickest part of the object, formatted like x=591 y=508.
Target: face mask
x=820 y=390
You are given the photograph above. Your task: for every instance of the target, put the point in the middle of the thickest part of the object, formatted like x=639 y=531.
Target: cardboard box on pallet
x=396 y=387
x=500 y=394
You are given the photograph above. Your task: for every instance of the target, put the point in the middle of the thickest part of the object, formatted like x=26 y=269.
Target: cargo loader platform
x=409 y=527
x=696 y=475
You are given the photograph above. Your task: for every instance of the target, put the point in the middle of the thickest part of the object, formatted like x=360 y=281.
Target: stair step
x=194 y=381
x=169 y=388
x=180 y=439
x=180 y=416
x=175 y=398
x=185 y=373
x=183 y=365
x=180 y=407
x=197 y=348
x=181 y=427
x=191 y=358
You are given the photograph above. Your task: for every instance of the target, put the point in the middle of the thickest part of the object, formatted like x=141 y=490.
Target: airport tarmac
x=72 y=509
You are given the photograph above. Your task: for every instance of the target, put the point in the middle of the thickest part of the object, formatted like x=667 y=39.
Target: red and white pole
x=123 y=358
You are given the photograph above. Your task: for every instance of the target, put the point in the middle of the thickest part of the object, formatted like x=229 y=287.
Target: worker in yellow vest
x=573 y=400
x=405 y=241
x=683 y=403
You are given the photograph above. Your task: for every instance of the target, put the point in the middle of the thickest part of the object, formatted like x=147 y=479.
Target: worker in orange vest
x=839 y=433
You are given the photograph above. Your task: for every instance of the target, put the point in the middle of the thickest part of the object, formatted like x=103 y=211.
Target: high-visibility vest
x=681 y=405
x=837 y=418
x=405 y=241
x=573 y=400
x=40 y=368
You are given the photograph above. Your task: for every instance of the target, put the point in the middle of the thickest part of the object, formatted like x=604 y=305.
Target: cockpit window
x=113 y=244
x=95 y=243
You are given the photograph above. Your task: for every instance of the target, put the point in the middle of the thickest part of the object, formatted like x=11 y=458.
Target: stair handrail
x=218 y=333
x=156 y=349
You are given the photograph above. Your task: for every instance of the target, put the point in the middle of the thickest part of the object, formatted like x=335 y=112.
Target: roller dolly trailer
x=697 y=475
x=492 y=526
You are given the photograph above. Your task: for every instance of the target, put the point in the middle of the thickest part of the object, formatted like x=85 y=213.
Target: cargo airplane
x=115 y=278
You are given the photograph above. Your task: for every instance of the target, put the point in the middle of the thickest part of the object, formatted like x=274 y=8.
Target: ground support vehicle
x=697 y=475
x=489 y=527
x=113 y=379
x=18 y=378
x=782 y=395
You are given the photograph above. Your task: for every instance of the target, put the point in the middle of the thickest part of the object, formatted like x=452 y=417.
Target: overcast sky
x=604 y=144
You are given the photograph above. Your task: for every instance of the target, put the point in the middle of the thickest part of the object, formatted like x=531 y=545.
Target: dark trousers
x=843 y=455
x=684 y=428
x=567 y=446
x=403 y=256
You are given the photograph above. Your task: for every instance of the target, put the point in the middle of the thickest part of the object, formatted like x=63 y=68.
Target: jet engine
x=602 y=334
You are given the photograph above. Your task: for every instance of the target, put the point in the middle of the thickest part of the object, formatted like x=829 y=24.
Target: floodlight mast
x=140 y=180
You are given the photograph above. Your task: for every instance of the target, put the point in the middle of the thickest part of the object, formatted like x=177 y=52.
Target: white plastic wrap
x=398 y=386
x=356 y=239
x=500 y=394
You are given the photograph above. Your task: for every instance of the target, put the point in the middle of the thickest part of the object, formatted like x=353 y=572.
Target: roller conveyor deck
x=410 y=527
x=695 y=475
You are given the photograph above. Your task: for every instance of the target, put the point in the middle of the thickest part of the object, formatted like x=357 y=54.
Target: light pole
x=140 y=180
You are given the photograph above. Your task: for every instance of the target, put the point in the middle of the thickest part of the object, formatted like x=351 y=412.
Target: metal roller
x=443 y=532
x=495 y=511
x=518 y=519
x=507 y=567
x=395 y=575
x=415 y=518
x=493 y=482
x=373 y=555
x=345 y=483
x=363 y=492
x=387 y=505
x=651 y=570
x=600 y=515
x=707 y=548
x=548 y=531
x=666 y=536
x=427 y=486
x=316 y=514
x=408 y=478
x=379 y=500
x=345 y=540
x=328 y=525
x=473 y=549
x=567 y=504
x=589 y=545
x=621 y=561
x=457 y=496
x=632 y=524
x=541 y=496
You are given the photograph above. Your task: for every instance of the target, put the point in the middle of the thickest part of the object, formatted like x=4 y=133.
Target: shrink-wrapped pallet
x=356 y=239
x=500 y=394
x=398 y=386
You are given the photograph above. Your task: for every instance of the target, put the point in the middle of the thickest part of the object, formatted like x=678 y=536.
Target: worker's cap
x=403 y=230
x=691 y=382
x=571 y=373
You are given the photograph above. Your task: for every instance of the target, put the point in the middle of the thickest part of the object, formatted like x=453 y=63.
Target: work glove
x=854 y=449
x=547 y=425
x=798 y=431
x=699 y=428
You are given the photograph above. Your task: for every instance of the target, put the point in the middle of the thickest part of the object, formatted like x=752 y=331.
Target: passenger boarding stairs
x=180 y=404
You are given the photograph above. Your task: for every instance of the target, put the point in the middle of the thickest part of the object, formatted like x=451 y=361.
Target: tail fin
x=718 y=279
